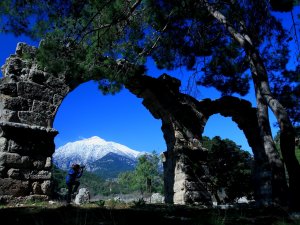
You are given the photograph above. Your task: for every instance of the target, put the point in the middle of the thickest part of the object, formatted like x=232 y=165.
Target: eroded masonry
x=30 y=98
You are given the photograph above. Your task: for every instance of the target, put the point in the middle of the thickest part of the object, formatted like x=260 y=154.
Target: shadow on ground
x=149 y=214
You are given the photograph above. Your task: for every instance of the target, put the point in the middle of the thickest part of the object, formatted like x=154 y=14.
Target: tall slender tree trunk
x=287 y=135
x=279 y=185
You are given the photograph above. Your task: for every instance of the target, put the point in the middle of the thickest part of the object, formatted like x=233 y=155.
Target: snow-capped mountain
x=96 y=154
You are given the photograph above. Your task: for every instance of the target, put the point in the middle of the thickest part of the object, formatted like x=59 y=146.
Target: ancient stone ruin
x=29 y=100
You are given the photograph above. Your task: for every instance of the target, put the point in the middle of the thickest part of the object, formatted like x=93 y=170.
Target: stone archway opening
x=121 y=118
x=224 y=123
x=30 y=99
x=230 y=156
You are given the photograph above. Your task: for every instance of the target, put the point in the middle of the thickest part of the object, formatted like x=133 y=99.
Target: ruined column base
x=25 y=160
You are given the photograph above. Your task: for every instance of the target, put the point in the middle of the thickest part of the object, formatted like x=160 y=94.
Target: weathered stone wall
x=29 y=99
x=184 y=119
x=185 y=170
x=245 y=116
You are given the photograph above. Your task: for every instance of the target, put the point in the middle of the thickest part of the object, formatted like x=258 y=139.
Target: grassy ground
x=114 y=213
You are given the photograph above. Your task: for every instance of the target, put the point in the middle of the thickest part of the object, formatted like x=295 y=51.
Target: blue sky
x=122 y=118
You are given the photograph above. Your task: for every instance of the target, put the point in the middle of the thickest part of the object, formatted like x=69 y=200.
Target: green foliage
x=85 y=38
x=81 y=39
x=100 y=203
x=127 y=182
x=226 y=163
x=286 y=89
x=147 y=169
x=95 y=184
x=145 y=175
x=58 y=176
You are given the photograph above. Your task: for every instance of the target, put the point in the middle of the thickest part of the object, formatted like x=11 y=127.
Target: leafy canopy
x=146 y=176
x=227 y=162
x=84 y=38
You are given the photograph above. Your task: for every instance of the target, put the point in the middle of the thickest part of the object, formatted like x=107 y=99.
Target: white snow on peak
x=91 y=149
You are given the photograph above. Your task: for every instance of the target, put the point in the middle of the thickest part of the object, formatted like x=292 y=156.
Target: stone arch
x=183 y=121
x=245 y=116
x=29 y=100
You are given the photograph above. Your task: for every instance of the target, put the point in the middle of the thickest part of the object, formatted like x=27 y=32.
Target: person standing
x=72 y=183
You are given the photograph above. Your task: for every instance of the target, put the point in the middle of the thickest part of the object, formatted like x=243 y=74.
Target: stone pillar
x=185 y=172
x=191 y=179
x=25 y=159
x=29 y=99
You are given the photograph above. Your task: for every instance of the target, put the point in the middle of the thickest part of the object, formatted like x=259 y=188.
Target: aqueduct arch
x=29 y=99
x=184 y=119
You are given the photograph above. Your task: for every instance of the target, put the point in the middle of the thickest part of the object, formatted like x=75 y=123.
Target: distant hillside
x=112 y=164
x=106 y=159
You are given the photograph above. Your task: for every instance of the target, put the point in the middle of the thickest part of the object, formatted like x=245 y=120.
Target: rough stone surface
x=46 y=187
x=14 y=160
x=48 y=163
x=40 y=175
x=14 y=187
x=157 y=198
x=14 y=173
x=36 y=188
x=30 y=98
x=3 y=144
x=83 y=196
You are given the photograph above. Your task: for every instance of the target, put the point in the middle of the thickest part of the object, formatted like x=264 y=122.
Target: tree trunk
x=279 y=185
x=287 y=135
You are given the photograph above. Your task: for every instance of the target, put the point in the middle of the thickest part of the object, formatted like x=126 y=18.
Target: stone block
x=46 y=187
x=3 y=144
x=48 y=164
x=179 y=174
x=14 y=173
x=13 y=65
x=36 y=76
x=14 y=187
x=57 y=99
x=16 y=147
x=38 y=164
x=82 y=197
x=36 y=188
x=45 y=107
x=40 y=175
x=58 y=85
x=9 y=89
x=18 y=174
x=179 y=186
x=2 y=171
x=178 y=198
x=14 y=160
x=34 y=91
x=33 y=118
x=14 y=103
x=9 y=115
